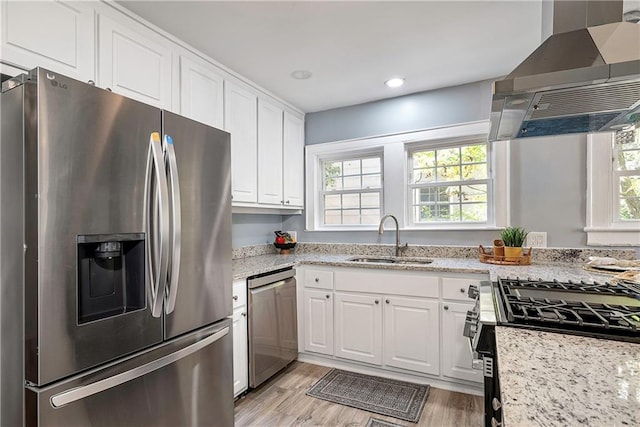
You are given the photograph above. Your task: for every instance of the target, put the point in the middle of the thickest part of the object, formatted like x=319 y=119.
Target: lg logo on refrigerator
x=54 y=82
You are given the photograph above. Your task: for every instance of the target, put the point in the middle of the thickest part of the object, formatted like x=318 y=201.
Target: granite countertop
x=547 y=379
x=245 y=267
x=551 y=379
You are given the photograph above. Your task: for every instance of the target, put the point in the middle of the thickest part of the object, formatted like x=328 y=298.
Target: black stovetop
x=602 y=310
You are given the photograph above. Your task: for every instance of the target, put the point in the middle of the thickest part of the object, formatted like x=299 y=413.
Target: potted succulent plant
x=513 y=238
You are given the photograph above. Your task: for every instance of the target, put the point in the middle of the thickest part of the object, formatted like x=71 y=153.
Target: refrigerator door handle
x=79 y=393
x=156 y=219
x=176 y=224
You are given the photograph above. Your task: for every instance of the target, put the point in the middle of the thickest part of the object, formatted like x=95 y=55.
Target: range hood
x=584 y=78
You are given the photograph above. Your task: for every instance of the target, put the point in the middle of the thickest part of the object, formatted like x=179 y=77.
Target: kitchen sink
x=405 y=261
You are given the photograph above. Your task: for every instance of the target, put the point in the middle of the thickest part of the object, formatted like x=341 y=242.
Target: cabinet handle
x=462 y=290
x=446 y=307
x=91 y=82
x=377 y=302
x=243 y=314
x=282 y=202
x=317 y=280
x=327 y=296
x=235 y=297
x=287 y=202
x=387 y=301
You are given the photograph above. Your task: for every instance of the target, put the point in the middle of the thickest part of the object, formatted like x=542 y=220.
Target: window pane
x=352 y=167
x=474 y=153
x=370 y=200
x=630 y=197
x=629 y=160
x=351 y=216
x=371 y=181
x=352 y=182
x=477 y=171
x=474 y=212
x=350 y=201
x=424 y=175
x=424 y=159
x=332 y=217
x=370 y=216
x=448 y=173
x=332 y=173
x=448 y=156
x=371 y=165
x=473 y=193
x=425 y=213
x=332 y=201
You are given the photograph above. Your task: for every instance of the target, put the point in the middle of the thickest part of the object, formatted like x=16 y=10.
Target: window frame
x=394 y=172
x=359 y=155
x=603 y=227
x=409 y=186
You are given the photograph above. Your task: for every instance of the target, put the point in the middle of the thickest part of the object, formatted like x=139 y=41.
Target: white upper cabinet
x=134 y=61
x=201 y=92
x=269 y=153
x=241 y=121
x=52 y=34
x=293 y=168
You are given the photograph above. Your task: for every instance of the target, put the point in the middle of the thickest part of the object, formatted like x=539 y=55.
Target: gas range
x=601 y=310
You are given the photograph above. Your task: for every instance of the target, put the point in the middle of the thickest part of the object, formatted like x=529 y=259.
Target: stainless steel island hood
x=584 y=78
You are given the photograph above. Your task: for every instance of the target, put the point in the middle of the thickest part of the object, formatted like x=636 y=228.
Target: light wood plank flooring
x=282 y=402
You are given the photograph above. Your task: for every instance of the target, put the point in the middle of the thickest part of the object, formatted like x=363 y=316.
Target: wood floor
x=282 y=402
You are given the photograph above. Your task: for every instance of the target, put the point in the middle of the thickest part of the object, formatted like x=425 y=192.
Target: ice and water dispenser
x=111 y=275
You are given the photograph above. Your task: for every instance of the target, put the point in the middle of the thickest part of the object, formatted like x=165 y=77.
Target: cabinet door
x=456 y=355
x=318 y=321
x=241 y=121
x=201 y=93
x=293 y=137
x=56 y=35
x=240 y=337
x=358 y=327
x=411 y=334
x=134 y=63
x=240 y=351
x=269 y=153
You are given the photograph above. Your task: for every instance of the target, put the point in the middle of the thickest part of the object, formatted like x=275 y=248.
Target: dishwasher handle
x=270 y=278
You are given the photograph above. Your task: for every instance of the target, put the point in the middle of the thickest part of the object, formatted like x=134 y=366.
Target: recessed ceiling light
x=395 y=82
x=301 y=74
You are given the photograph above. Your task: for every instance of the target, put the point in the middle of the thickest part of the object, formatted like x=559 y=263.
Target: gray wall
x=254 y=229
x=548 y=175
x=424 y=110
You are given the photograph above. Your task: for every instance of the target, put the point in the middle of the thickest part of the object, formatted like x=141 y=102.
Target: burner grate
x=582 y=307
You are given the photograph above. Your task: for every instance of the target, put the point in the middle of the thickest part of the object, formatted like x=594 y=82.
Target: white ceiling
x=353 y=47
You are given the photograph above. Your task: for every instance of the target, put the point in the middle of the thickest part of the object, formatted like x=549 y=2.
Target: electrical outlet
x=537 y=239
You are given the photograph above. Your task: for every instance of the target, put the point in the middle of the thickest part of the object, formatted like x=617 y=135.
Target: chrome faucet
x=399 y=248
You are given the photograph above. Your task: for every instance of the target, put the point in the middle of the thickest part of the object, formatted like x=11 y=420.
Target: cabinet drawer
x=318 y=279
x=239 y=293
x=393 y=282
x=456 y=288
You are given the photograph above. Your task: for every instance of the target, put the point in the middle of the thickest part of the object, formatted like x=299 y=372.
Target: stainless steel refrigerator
x=115 y=260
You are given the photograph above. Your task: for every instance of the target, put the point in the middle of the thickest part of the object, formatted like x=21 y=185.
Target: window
x=445 y=178
x=449 y=183
x=613 y=189
x=626 y=175
x=352 y=190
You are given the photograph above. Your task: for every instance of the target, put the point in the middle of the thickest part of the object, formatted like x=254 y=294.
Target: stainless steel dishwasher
x=273 y=331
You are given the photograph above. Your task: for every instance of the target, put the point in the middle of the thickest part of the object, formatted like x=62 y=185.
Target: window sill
x=614 y=236
x=387 y=228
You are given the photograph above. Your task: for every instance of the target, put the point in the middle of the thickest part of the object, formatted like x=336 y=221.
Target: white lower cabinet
x=411 y=330
x=358 y=327
x=318 y=322
x=240 y=338
x=407 y=322
x=456 y=355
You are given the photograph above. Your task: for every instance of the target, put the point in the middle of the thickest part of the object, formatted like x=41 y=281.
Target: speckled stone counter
x=245 y=267
x=550 y=379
